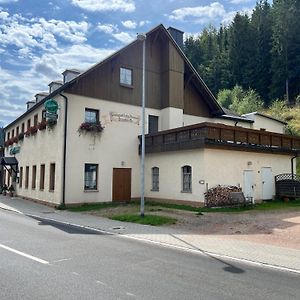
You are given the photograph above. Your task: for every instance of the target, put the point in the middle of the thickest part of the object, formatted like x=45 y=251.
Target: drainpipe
x=62 y=204
x=292 y=165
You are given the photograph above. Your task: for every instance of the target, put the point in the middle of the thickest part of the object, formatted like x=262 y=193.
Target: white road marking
x=130 y=294
x=25 y=255
x=75 y=273
x=63 y=259
x=100 y=282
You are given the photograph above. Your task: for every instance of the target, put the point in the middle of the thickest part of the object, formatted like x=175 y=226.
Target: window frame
x=91 y=110
x=123 y=76
x=33 y=178
x=86 y=187
x=42 y=176
x=186 y=179
x=155 y=179
x=26 y=177
x=35 y=119
x=21 y=177
x=52 y=177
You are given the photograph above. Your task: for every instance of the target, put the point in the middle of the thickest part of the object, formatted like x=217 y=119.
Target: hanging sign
x=14 y=150
x=51 y=106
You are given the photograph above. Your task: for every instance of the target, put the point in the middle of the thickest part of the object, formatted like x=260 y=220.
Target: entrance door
x=249 y=184
x=121 y=184
x=267 y=183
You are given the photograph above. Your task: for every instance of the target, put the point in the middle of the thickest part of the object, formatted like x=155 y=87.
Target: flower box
x=21 y=136
x=15 y=139
x=10 y=142
x=94 y=128
x=42 y=125
x=33 y=130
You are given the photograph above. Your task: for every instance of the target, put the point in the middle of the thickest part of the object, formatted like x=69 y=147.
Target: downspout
x=292 y=165
x=62 y=204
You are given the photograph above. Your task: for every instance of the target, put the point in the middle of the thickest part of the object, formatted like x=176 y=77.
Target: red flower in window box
x=6 y=144
x=42 y=125
x=15 y=139
x=33 y=130
x=10 y=142
x=21 y=136
x=27 y=133
x=90 y=127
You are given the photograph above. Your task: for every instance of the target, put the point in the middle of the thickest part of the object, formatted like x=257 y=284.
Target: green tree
x=285 y=48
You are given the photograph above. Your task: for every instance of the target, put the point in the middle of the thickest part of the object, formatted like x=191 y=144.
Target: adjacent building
x=79 y=142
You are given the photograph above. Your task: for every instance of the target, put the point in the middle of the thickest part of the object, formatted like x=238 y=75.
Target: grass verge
x=146 y=220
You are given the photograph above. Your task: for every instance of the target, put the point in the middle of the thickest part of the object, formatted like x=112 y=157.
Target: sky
x=39 y=39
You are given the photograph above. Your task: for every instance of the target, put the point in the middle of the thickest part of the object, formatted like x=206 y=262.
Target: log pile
x=220 y=195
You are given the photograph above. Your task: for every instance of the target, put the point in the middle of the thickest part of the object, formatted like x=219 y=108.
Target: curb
x=163 y=244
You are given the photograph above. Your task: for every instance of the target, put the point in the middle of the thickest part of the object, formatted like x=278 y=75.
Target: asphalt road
x=46 y=260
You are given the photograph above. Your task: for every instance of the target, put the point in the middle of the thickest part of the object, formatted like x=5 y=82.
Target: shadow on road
x=68 y=228
x=228 y=268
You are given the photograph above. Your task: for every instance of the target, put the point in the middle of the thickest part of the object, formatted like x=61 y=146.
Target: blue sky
x=39 y=39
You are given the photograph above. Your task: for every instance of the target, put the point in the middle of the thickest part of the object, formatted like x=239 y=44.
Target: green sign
x=14 y=150
x=51 y=106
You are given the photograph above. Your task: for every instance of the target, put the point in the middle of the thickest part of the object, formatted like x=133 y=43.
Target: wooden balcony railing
x=218 y=135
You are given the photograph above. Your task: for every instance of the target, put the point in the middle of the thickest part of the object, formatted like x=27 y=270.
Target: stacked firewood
x=220 y=195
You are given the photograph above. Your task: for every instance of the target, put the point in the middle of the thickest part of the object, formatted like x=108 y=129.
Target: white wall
x=117 y=147
x=170 y=177
x=171 y=118
x=268 y=124
x=227 y=167
x=44 y=147
x=210 y=167
x=190 y=120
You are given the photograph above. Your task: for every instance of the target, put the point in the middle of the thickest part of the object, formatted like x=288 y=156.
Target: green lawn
x=146 y=220
x=155 y=206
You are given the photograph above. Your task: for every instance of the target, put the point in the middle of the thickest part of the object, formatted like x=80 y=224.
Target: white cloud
x=21 y=32
x=124 y=37
x=113 y=31
x=105 y=5
x=18 y=87
x=239 y=1
x=200 y=14
x=107 y=28
x=129 y=24
x=7 y=1
x=142 y=23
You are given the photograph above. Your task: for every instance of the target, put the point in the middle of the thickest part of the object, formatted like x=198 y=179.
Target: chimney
x=30 y=104
x=70 y=74
x=54 y=85
x=177 y=35
x=40 y=96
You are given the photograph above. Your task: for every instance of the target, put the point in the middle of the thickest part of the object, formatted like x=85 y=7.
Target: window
x=8 y=135
x=152 y=124
x=28 y=124
x=17 y=131
x=33 y=179
x=90 y=176
x=52 y=177
x=35 y=120
x=23 y=128
x=43 y=115
x=12 y=133
x=26 y=177
x=125 y=76
x=91 y=115
x=186 y=178
x=42 y=177
x=155 y=179
x=21 y=177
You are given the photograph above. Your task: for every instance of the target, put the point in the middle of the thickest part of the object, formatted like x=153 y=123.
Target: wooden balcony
x=214 y=135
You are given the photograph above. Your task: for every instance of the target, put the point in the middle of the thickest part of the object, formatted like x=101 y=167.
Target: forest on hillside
x=258 y=55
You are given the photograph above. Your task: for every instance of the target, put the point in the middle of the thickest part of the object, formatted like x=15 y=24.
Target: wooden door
x=121 y=184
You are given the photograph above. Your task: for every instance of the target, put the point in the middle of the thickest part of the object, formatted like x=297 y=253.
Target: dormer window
x=126 y=76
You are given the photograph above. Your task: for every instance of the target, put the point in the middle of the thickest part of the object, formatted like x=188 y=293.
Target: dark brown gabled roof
x=210 y=99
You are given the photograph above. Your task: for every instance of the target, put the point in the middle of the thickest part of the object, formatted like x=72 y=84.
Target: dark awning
x=9 y=161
